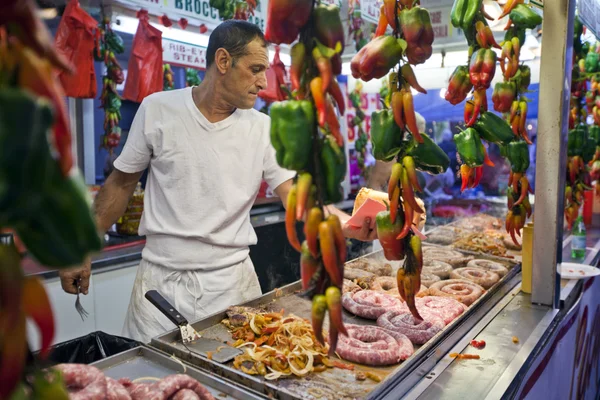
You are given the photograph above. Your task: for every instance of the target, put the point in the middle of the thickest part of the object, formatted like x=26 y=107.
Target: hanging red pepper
x=316 y=89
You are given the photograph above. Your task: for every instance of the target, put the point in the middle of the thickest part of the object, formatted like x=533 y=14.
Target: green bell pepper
x=428 y=156
x=591 y=62
x=518 y=155
x=524 y=17
x=470 y=148
x=594 y=134
x=328 y=25
x=114 y=42
x=493 y=129
x=292 y=124
x=576 y=140
x=333 y=163
x=515 y=31
x=463 y=12
x=386 y=135
x=589 y=150
x=51 y=213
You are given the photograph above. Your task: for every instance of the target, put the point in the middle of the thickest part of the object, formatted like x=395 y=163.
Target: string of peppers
x=410 y=43
x=168 y=83
x=508 y=97
x=305 y=134
x=109 y=43
x=44 y=199
x=583 y=140
x=355 y=25
x=360 y=145
x=234 y=9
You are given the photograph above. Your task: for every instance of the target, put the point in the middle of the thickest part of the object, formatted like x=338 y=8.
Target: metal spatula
x=219 y=351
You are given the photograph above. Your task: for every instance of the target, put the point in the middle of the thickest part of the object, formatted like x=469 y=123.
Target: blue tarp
x=434 y=108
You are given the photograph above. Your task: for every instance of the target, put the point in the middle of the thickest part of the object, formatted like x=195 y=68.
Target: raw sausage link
x=83 y=382
x=171 y=384
x=438 y=268
x=454 y=258
x=115 y=390
x=369 y=303
x=371 y=345
x=483 y=278
x=445 y=308
x=489 y=266
x=404 y=322
x=185 y=394
x=428 y=279
x=462 y=290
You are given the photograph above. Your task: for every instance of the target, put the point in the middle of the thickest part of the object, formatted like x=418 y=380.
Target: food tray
x=514 y=255
x=144 y=361
x=333 y=383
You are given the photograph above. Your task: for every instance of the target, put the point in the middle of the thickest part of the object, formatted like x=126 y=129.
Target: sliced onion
x=253 y=326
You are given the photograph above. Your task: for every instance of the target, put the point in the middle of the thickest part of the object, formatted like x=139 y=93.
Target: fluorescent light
x=48 y=13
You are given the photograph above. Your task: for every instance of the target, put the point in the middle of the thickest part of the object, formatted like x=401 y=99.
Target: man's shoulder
x=168 y=97
x=254 y=114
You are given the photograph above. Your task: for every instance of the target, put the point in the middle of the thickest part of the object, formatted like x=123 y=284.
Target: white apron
x=194 y=293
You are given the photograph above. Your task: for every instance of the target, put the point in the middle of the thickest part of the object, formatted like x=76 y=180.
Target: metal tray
x=515 y=255
x=144 y=361
x=332 y=383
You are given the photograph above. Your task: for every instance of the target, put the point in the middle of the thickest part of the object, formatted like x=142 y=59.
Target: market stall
x=450 y=307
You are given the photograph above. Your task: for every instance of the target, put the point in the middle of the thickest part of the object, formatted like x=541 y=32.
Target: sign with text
x=183 y=54
x=369 y=10
x=589 y=12
x=199 y=10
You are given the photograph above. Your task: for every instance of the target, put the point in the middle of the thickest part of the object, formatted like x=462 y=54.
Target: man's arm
x=366 y=233
x=109 y=205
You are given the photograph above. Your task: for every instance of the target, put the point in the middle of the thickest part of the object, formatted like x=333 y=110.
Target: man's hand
x=70 y=278
x=366 y=233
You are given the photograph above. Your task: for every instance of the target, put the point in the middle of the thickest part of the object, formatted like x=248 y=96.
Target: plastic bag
x=90 y=348
x=275 y=78
x=75 y=40
x=145 y=69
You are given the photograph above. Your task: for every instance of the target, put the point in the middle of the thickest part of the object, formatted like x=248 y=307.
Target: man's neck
x=207 y=97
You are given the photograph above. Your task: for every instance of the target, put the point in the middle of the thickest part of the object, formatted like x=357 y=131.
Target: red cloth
x=145 y=69
x=75 y=40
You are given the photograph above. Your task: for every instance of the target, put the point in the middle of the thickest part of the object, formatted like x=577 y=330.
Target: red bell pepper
x=459 y=85
x=482 y=68
x=377 y=57
x=285 y=18
x=503 y=96
x=387 y=232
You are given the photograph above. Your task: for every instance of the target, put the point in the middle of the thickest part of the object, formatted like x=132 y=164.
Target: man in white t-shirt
x=207 y=151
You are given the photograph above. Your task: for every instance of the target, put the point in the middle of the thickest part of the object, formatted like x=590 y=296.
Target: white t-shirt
x=202 y=181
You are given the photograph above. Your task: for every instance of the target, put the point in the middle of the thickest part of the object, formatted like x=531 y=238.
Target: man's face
x=247 y=76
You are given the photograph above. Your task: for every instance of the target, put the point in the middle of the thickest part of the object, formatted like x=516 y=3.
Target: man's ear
x=223 y=60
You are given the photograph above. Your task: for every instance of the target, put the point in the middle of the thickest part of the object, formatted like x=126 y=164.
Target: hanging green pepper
x=386 y=135
x=428 y=156
x=493 y=128
x=114 y=42
x=522 y=78
x=515 y=31
x=589 y=150
x=594 y=134
x=470 y=148
x=524 y=17
x=50 y=212
x=463 y=12
x=576 y=140
x=393 y=249
x=518 y=155
x=292 y=123
x=418 y=33
x=591 y=62
x=333 y=161
x=328 y=25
